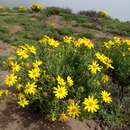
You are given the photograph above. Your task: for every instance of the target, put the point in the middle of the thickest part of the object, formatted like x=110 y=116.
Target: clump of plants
x=64 y=79
x=57 y=11
x=22 y=9
x=89 y=13
x=119 y=51
x=36 y=7
x=103 y=13
x=2 y=8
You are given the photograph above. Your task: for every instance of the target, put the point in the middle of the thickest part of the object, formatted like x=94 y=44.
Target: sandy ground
x=14 y=118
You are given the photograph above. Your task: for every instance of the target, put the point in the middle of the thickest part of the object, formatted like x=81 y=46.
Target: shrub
x=57 y=11
x=103 y=13
x=2 y=9
x=22 y=9
x=36 y=7
x=89 y=13
x=63 y=79
x=119 y=51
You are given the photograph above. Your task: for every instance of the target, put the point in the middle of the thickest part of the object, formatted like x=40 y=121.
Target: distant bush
x=56 y=11
x=119 y=50
x=89 y=13
x=22 y=9
x=36 y=7
x=103 y=13
x=3 y=8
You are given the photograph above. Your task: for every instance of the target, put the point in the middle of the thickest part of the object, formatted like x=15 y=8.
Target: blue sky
x=116 y=8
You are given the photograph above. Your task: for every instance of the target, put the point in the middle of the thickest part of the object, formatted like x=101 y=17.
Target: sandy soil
x=6 y=49
x=14 y=118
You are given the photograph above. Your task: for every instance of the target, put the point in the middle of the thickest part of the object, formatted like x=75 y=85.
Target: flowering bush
x=2 y=8
x=36 y=7
x=119 y=51
x=103 y=14
x=22 y=9
x=64 y=79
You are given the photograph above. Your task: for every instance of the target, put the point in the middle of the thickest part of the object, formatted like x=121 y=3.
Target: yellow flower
x=84 y=41
x=129 y=49
x=70 y=81
x=44 y=39
x=88 y=43
x=63 y=117
x=23 y=102
x=53 y=42
x=60 y=92
x=104 y=59
x=30 y=88
x=4 y=92
x=73 y=110
x=1 y=92
x=78 y=42
x=103 y=13
x=34 y=73
x=49 y=41
x=108 y=44
x=60 y=81
x=68 y=39
x=127 y=42
x=91 y=104
x=118 y=41
x=32 y=49
x=23 y=53
x=106 y=97
x=94 y=67
x=105 y=78
x=36 y=7
x=10 y=80
x=15 y=67
x=37 y=63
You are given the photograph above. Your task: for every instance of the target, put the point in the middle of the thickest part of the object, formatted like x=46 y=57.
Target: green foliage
x=121 y=57
x=89 y=13
x=65 y=31
x=56 y=11
x=85 y=34
x=54 y=62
